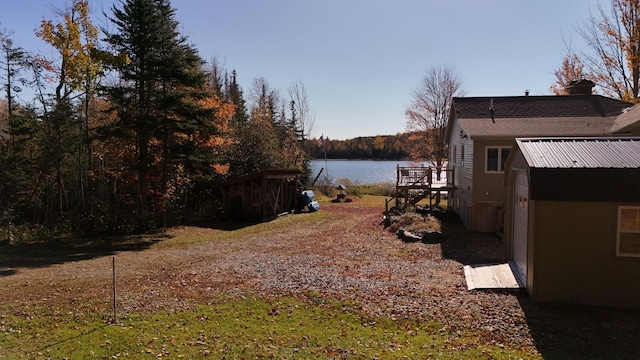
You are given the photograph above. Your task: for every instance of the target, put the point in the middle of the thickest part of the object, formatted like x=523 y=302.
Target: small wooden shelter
x=261 y=196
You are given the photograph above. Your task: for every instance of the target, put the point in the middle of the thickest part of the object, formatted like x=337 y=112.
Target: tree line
x=381 y=147
x=129 y=129
x=134 y=131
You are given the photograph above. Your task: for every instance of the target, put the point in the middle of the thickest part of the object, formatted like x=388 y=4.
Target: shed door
x=520 y=217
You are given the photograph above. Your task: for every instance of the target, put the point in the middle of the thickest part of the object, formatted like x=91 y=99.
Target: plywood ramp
x=491 y=277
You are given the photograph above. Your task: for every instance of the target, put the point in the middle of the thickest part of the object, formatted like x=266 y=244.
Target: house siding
x=576 y=262
x=489 y=193
x=478 y=201
x=463 y=174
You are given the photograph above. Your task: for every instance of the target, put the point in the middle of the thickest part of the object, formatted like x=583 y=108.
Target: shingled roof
x=532 y=116
x=627 y=120
x=535 y=127
x=538 y=106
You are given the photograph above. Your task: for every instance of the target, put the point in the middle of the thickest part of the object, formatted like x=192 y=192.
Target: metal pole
x=316 y=179
x=115 y=313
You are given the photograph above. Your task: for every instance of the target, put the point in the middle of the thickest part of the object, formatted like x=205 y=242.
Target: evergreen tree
x=240 y=117
x=160 y=103
x=12 y=62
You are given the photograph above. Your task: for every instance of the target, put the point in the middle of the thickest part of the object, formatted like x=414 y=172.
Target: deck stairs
x=416 y=183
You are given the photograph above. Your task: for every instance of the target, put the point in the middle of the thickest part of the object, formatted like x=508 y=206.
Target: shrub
x=413 y=222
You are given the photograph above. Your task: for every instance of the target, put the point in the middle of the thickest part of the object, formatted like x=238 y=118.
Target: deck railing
x=425 y=180
x=419 y=176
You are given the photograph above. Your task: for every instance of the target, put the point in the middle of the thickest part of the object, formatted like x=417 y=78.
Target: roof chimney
x=526 y=92
x=580 y=87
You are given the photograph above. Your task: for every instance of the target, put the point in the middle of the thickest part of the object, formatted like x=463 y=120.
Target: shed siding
x=575 y=260
x=517 y=163
x=585 y=184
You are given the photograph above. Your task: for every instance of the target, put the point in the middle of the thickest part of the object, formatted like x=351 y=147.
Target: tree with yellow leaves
x=74 y=72
x=613 y=61
x=75 y=38
x=571 y=69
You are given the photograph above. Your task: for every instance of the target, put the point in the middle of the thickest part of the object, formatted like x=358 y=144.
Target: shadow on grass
x=559 y=331
x=243 y=222
x=564 y=331
x=227 y=225
x=70 y=249
x=468 y=247
x=76 y=248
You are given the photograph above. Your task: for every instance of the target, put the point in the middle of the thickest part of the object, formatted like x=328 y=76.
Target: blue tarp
x=308 y=199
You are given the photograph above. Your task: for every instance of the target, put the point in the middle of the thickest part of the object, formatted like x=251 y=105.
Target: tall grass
x=354 y=188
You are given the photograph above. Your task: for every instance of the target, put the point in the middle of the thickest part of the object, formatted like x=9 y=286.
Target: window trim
x=500 y=160
x=618 y=231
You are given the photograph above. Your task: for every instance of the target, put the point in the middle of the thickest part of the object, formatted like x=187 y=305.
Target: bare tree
x=264 y=101
x=305 y=117
x=614 y=60
x=428 y=114
x=571 y=69
x=218 y=76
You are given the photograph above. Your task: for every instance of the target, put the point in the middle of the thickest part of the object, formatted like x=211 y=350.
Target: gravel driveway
x=343 y=253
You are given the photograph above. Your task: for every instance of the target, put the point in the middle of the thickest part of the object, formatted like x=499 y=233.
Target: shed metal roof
x=586 y=153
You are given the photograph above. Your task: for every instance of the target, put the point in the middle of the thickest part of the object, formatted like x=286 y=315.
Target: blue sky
x=360 y=60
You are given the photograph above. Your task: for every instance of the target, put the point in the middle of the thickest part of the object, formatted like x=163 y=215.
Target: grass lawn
x=329 y=284
x=240 y=328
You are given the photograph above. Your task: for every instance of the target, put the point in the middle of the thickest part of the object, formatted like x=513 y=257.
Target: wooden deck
x=415 y=183
x=491 y=277
x=420 y=177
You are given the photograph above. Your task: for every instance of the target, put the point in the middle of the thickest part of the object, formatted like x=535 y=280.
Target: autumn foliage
x=131 y=130
x=612 y=56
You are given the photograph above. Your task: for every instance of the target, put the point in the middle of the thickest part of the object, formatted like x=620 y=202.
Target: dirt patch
x=345 y=254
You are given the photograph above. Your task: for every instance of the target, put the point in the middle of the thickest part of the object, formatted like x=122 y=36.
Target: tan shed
x=572 y=223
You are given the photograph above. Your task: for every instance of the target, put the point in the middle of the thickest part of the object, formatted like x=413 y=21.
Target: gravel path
x=345 y=254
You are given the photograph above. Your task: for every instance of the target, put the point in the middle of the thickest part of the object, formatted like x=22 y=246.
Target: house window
x=462 y=156
x=495 y=158
x=628 y=242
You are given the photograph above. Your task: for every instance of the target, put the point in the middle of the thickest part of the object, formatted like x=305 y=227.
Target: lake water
x=359 y=171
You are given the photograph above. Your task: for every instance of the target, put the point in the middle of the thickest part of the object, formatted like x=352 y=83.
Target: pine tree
x=13 y=61
x=240 y=117
x=160 y=101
